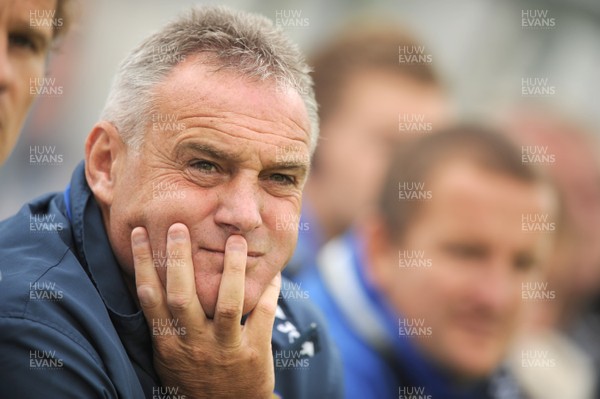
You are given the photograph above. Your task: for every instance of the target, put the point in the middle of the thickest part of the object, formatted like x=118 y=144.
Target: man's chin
x=472 y=366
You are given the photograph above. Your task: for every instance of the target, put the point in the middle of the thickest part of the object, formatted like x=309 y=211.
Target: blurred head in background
x=462 y=199
x=28 y=29
x=569 y=152
x=364 y=88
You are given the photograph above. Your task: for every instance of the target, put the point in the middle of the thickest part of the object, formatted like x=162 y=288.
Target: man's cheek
x=207 y=291
x=253 y=289
x=286 y=235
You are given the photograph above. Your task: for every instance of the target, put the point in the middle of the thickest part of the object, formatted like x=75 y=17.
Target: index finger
x=149 y=288
x=230 y=302
x=181 y=284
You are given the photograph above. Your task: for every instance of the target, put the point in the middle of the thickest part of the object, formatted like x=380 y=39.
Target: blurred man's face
x=576 y=172
x=472 y=233
x=24 y=44
x=577 y=175
x=223 y=155
x=359 y=135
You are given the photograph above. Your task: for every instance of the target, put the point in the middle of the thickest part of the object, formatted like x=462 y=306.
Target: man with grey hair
x=156 y=273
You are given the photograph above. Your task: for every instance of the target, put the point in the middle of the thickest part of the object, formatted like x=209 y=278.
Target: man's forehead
x=25 y=9
x=466 y=188
x=198 y=85
x=479 y=206
x=29 y=15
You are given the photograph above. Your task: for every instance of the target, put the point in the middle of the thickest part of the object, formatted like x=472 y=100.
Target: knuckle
x=178 y=301
x=254 y=357
x=265 y=308
x=229 y=310
x=147 y=296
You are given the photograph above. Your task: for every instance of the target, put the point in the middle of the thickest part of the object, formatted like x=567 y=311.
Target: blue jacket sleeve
x=39 y=361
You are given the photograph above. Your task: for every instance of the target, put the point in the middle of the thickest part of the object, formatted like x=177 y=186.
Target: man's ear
x=103 y=151
x=379 y=250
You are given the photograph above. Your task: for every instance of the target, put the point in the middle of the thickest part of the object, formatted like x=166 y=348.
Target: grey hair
x=243 y=42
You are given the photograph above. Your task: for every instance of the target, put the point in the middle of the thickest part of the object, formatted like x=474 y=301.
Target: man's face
x=223 y=155
x=362 y=130
x=471 y=234
x=24 y=44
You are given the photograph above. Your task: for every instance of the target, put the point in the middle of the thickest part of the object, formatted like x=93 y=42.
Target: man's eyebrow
x=208 y=150
x=42 y=40
x=302 y=167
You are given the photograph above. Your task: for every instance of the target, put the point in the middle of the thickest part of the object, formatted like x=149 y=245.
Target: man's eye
x=22 y=41
x=204 y=166
x=525 y=263
x=283 y=179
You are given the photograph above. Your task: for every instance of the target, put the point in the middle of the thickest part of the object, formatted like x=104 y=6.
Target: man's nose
x=240 y=205
x=495 y=288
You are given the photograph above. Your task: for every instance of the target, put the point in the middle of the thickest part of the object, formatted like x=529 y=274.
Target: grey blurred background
x=480 y=47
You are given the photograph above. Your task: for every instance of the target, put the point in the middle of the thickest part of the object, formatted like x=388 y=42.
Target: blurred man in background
x=569 y=153
x=371 y=95
x=564 y=326
x=423 y=297
x=28 y=29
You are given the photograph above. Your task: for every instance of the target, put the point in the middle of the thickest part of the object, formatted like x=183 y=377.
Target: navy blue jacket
x=69 y=327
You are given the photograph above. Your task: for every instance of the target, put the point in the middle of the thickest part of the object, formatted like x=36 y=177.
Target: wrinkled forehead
x=201 y=81
x=197 y=101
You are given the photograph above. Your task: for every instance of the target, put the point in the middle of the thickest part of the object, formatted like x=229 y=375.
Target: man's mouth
x=251 y=254
x=478 y=327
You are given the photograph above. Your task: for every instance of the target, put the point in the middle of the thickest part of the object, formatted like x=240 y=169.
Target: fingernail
x=236 y=242
x=176 y=232
x=138 y=236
